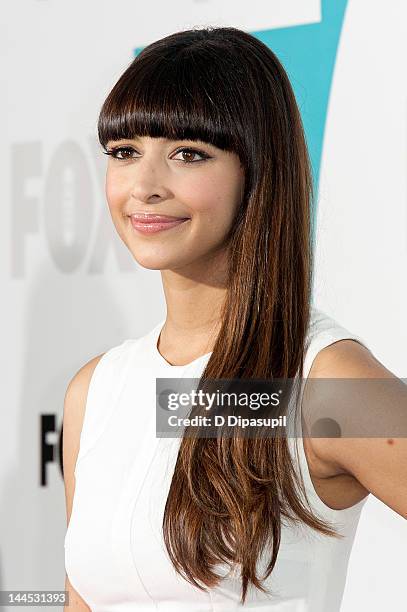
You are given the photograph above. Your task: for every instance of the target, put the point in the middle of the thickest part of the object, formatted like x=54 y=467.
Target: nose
x=148 y=182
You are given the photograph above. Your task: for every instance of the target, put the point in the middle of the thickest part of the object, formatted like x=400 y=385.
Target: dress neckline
x=155 y=334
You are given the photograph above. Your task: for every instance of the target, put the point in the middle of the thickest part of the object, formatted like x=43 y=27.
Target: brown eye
x=114 y=152
x=191 y=153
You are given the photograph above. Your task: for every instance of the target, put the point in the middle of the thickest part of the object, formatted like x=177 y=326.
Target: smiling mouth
x=154 y=218
x=155 y=223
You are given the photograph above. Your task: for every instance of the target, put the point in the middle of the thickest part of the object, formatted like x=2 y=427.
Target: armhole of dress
x=104 y=389
x=316 y=344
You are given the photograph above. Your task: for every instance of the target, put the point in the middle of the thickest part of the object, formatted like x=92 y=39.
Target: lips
x=151 y=223
x=153 y=218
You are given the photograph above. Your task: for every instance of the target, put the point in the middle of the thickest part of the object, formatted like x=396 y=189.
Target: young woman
x=208 y=181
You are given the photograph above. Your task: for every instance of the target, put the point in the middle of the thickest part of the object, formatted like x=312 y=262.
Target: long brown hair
x=225 y=87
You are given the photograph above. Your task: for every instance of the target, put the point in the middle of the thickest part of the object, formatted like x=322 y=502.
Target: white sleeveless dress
x=115 y=556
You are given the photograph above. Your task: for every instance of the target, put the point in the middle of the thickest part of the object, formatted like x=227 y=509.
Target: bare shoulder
x=378 y=464
x=79 y=383
x=345 y=358
x=74 y=410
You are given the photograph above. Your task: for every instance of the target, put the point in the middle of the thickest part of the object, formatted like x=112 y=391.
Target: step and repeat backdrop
x=70 y=288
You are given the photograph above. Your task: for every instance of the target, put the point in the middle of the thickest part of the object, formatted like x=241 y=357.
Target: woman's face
x=180 y=178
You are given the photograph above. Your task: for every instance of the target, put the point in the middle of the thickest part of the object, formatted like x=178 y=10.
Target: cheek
x=115 y=191
x=214 y=198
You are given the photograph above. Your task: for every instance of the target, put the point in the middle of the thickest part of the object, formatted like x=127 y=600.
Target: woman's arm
x=74 y=410
x=378 y=463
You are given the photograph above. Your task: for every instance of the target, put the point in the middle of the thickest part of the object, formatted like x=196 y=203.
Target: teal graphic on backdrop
x=308 y=54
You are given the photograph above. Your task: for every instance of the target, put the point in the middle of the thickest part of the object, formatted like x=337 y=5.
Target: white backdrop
x=71 y=289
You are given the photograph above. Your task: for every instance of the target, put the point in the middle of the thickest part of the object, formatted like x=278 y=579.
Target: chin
x=150 y=267
x=151 y=262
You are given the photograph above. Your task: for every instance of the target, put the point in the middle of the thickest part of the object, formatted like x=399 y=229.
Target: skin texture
x=376 y=465
x=154 y=177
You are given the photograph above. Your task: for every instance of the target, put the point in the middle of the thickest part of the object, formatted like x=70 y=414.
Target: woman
x=208 y=181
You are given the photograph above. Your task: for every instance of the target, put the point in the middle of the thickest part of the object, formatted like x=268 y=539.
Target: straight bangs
x=179 y=96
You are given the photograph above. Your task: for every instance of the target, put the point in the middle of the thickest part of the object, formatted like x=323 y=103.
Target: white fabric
x=115 y=556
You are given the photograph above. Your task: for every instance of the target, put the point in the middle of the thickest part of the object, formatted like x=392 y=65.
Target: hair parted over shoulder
x=223 y=86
